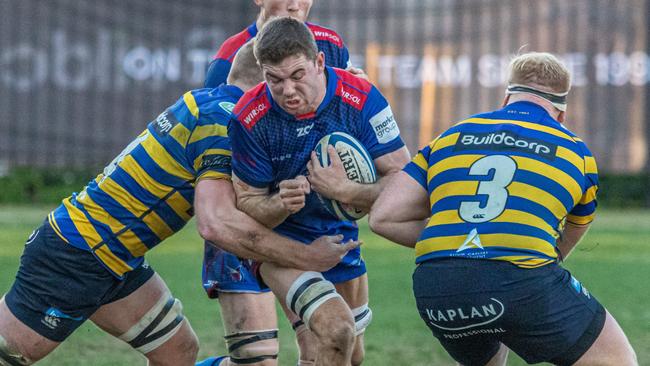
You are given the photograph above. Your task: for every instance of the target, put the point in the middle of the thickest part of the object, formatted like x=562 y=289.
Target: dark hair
x=244 y=67
x=284 y=37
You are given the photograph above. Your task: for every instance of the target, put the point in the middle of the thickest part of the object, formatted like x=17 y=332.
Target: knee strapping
x=362 y=318
x=250 y=347
x=307 y=293
x=9 y=357
x=156 y=327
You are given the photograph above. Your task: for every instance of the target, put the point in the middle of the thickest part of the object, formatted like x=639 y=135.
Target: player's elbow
x=214 y=228
x=207 y=231
x=377 y=220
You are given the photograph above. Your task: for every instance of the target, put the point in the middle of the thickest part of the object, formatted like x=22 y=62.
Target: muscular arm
x=399 y=214
x=271 y=209
x=259 y=204
x=220 y=222
x=333 y=183
x=570 y=237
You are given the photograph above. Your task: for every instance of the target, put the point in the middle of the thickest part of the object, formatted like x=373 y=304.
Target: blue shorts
x=225 y=272
x=58 y=286
x=471 y=305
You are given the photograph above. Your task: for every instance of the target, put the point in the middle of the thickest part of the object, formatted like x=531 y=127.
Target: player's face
x=297 y=84
x=297 y=9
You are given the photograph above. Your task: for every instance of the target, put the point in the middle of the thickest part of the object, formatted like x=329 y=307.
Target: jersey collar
x=536 y=112
x=332 y=81
x=231 y=90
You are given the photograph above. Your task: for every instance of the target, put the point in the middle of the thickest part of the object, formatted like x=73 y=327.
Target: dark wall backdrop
x=79 y=79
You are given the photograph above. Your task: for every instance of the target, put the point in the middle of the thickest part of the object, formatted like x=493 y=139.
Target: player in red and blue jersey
x=492 y=206
x=87 y=259
x=224 y=276
x=328 y=41
x=274 y=130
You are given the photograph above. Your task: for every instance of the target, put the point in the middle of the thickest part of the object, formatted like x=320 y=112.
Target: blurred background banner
x=79 y=79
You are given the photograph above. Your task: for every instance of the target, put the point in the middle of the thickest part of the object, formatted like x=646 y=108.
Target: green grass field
x=613 y=262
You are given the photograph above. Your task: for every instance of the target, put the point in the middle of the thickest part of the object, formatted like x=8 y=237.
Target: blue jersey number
x=504 y=171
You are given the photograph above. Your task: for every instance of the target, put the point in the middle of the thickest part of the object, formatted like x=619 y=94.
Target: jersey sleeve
x=207 y=147
x=250 y=161
x=419 y=165
x=379 y=133
x=217 y=73
x=585 y=210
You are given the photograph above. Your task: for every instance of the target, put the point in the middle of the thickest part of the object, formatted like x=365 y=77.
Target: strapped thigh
x=308 y=292
x=362 y=318
x=251 y=347
x=156 y=327
x=9 y=357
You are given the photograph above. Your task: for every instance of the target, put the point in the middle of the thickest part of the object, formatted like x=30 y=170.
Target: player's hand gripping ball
x=358 y=166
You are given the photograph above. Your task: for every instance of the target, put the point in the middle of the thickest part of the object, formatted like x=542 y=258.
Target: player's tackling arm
x=570 y=237
x=332 y=181
x=221 y=223
x=399 y=214
x=271 y=209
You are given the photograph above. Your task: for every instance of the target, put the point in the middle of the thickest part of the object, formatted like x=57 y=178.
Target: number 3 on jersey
x=504 y=171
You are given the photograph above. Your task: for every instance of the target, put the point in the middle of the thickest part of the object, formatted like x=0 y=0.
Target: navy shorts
x=542 y=314
x=59 y=286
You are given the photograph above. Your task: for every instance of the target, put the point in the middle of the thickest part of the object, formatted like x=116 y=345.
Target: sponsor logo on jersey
x=326 y=36
x=304 y=131
x=282 y=157
x=465 y=317
x=350 y=93
x=505 y=140
x=164 y=123
x=216 y=161
x=472 y=241
x=227 y=106
x=257 y=110
x=384 y=125
x=352 y=98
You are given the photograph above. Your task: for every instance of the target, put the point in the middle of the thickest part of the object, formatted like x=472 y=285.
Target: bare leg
x=355 y=294
x=332 y=322
x=610 y=348
x=22 y=339
x=118 y=317
x=306 y=340
x=248 y=312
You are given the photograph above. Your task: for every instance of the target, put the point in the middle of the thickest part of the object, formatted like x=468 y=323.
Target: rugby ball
x=358 y=166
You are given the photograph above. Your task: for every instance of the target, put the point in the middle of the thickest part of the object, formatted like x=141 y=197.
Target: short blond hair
x=540 y=70
x=245 y=68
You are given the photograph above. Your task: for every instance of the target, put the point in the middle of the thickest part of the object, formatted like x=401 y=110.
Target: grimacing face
x=297 y=84
x=297 y=9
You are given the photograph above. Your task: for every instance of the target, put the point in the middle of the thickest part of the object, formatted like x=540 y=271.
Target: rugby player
x=86 y=261
x=245 y=306
x=492 y=207
x=328 y=41
x=274 y=129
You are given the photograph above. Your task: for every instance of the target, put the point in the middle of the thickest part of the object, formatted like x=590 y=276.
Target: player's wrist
x=345 y=192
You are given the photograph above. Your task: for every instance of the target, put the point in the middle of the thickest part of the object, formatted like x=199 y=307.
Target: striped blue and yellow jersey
x=146 y=193
x=502 y=184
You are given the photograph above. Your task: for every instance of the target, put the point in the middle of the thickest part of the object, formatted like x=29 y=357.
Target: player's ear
x=320 y=61
x=560 y=117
